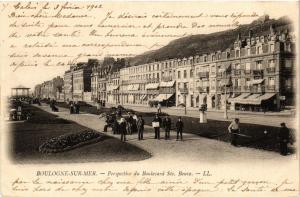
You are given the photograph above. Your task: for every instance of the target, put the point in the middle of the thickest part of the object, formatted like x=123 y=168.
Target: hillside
x=206 y=43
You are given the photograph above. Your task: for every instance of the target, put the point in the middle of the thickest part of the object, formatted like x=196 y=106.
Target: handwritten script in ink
x=58 y=34
x=129 y=183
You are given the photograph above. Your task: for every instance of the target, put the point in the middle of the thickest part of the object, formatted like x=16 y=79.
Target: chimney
x=250 y=33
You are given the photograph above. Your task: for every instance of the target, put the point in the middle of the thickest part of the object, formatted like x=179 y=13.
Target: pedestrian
x=130 y=123
x=156 y=123
x=77 y=107
x=134 y=126
x=284 y=139
x=140 y=127
x=179 y=128
x=71 y=107
x=167 y=126
x=19 y=112
x=158 y=108
x=234 y=129
x=122 y=128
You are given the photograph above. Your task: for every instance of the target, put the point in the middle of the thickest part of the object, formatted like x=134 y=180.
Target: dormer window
x=259 y=50
x=227 y=55
x=205 y=59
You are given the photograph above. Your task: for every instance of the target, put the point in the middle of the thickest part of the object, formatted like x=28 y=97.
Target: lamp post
x=184 y=103
x=225 y=109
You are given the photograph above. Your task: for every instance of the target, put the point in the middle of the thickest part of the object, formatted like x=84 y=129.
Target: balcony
x=271 y=87
x=257 y=72
x=236 y=72
x=202 y=75
x=154 y=80
x=166 y=79
x=184 y=90
x=202 y=89
x=257 y=89
x=271 y=70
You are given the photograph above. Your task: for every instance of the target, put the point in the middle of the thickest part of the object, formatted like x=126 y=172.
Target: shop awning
x=266 y=96
x=256 y=81
x=151 y=86
x=162 y=97
x=167 y=84
x=250 y=100
x=241 y=96
x=115 y=87
x=112 y=87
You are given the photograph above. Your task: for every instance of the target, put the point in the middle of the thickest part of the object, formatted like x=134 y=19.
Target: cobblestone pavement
x=193 y=148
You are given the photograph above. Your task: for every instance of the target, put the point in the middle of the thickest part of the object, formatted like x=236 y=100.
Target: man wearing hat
x=156 y=122
x=284 y=138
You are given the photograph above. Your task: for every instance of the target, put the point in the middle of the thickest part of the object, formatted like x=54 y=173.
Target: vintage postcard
x=149 y=98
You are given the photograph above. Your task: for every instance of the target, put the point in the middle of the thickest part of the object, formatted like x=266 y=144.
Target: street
x=254 y=118
x=193 y=148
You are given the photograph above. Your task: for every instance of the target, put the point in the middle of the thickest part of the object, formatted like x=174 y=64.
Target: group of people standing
x=166 y=123
x=135 y=124
x=74 y=107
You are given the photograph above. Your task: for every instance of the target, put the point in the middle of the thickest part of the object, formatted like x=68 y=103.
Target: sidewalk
x=193 y=148
x=245 y=117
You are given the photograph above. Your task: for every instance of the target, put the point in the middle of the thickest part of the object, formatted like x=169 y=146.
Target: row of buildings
x=256 y=74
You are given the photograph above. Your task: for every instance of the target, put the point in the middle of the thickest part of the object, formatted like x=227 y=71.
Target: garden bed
x=70 y=141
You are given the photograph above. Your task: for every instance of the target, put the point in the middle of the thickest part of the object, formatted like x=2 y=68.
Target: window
x=205 y=59
x=288 y=63
x=191 y=73
x=271 y=81
x=259 y=65
x=288 y=83
x=271 y=64
x=237 y=66
x=259 y=50
x=248 y=66
x=247 y=82
x=248 y=51
x=178 y=74
x=157 y=75
x=237 y=53
x=184 y=74
x=213 y=58
x=227 y=55
x=236 y=82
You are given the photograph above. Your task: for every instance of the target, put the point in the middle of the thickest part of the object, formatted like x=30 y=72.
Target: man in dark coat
x=284 y=138
x=167 y=126
x=140 y=127
x=179 y=128
x=122 y=127
x=157 y=121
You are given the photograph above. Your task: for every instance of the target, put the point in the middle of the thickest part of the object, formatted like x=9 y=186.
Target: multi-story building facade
x=255 y=73
x=68 y=85
x=105 y=79
x=82 y=79
x=113 y=83
x=38 y=91
x=52 y=88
